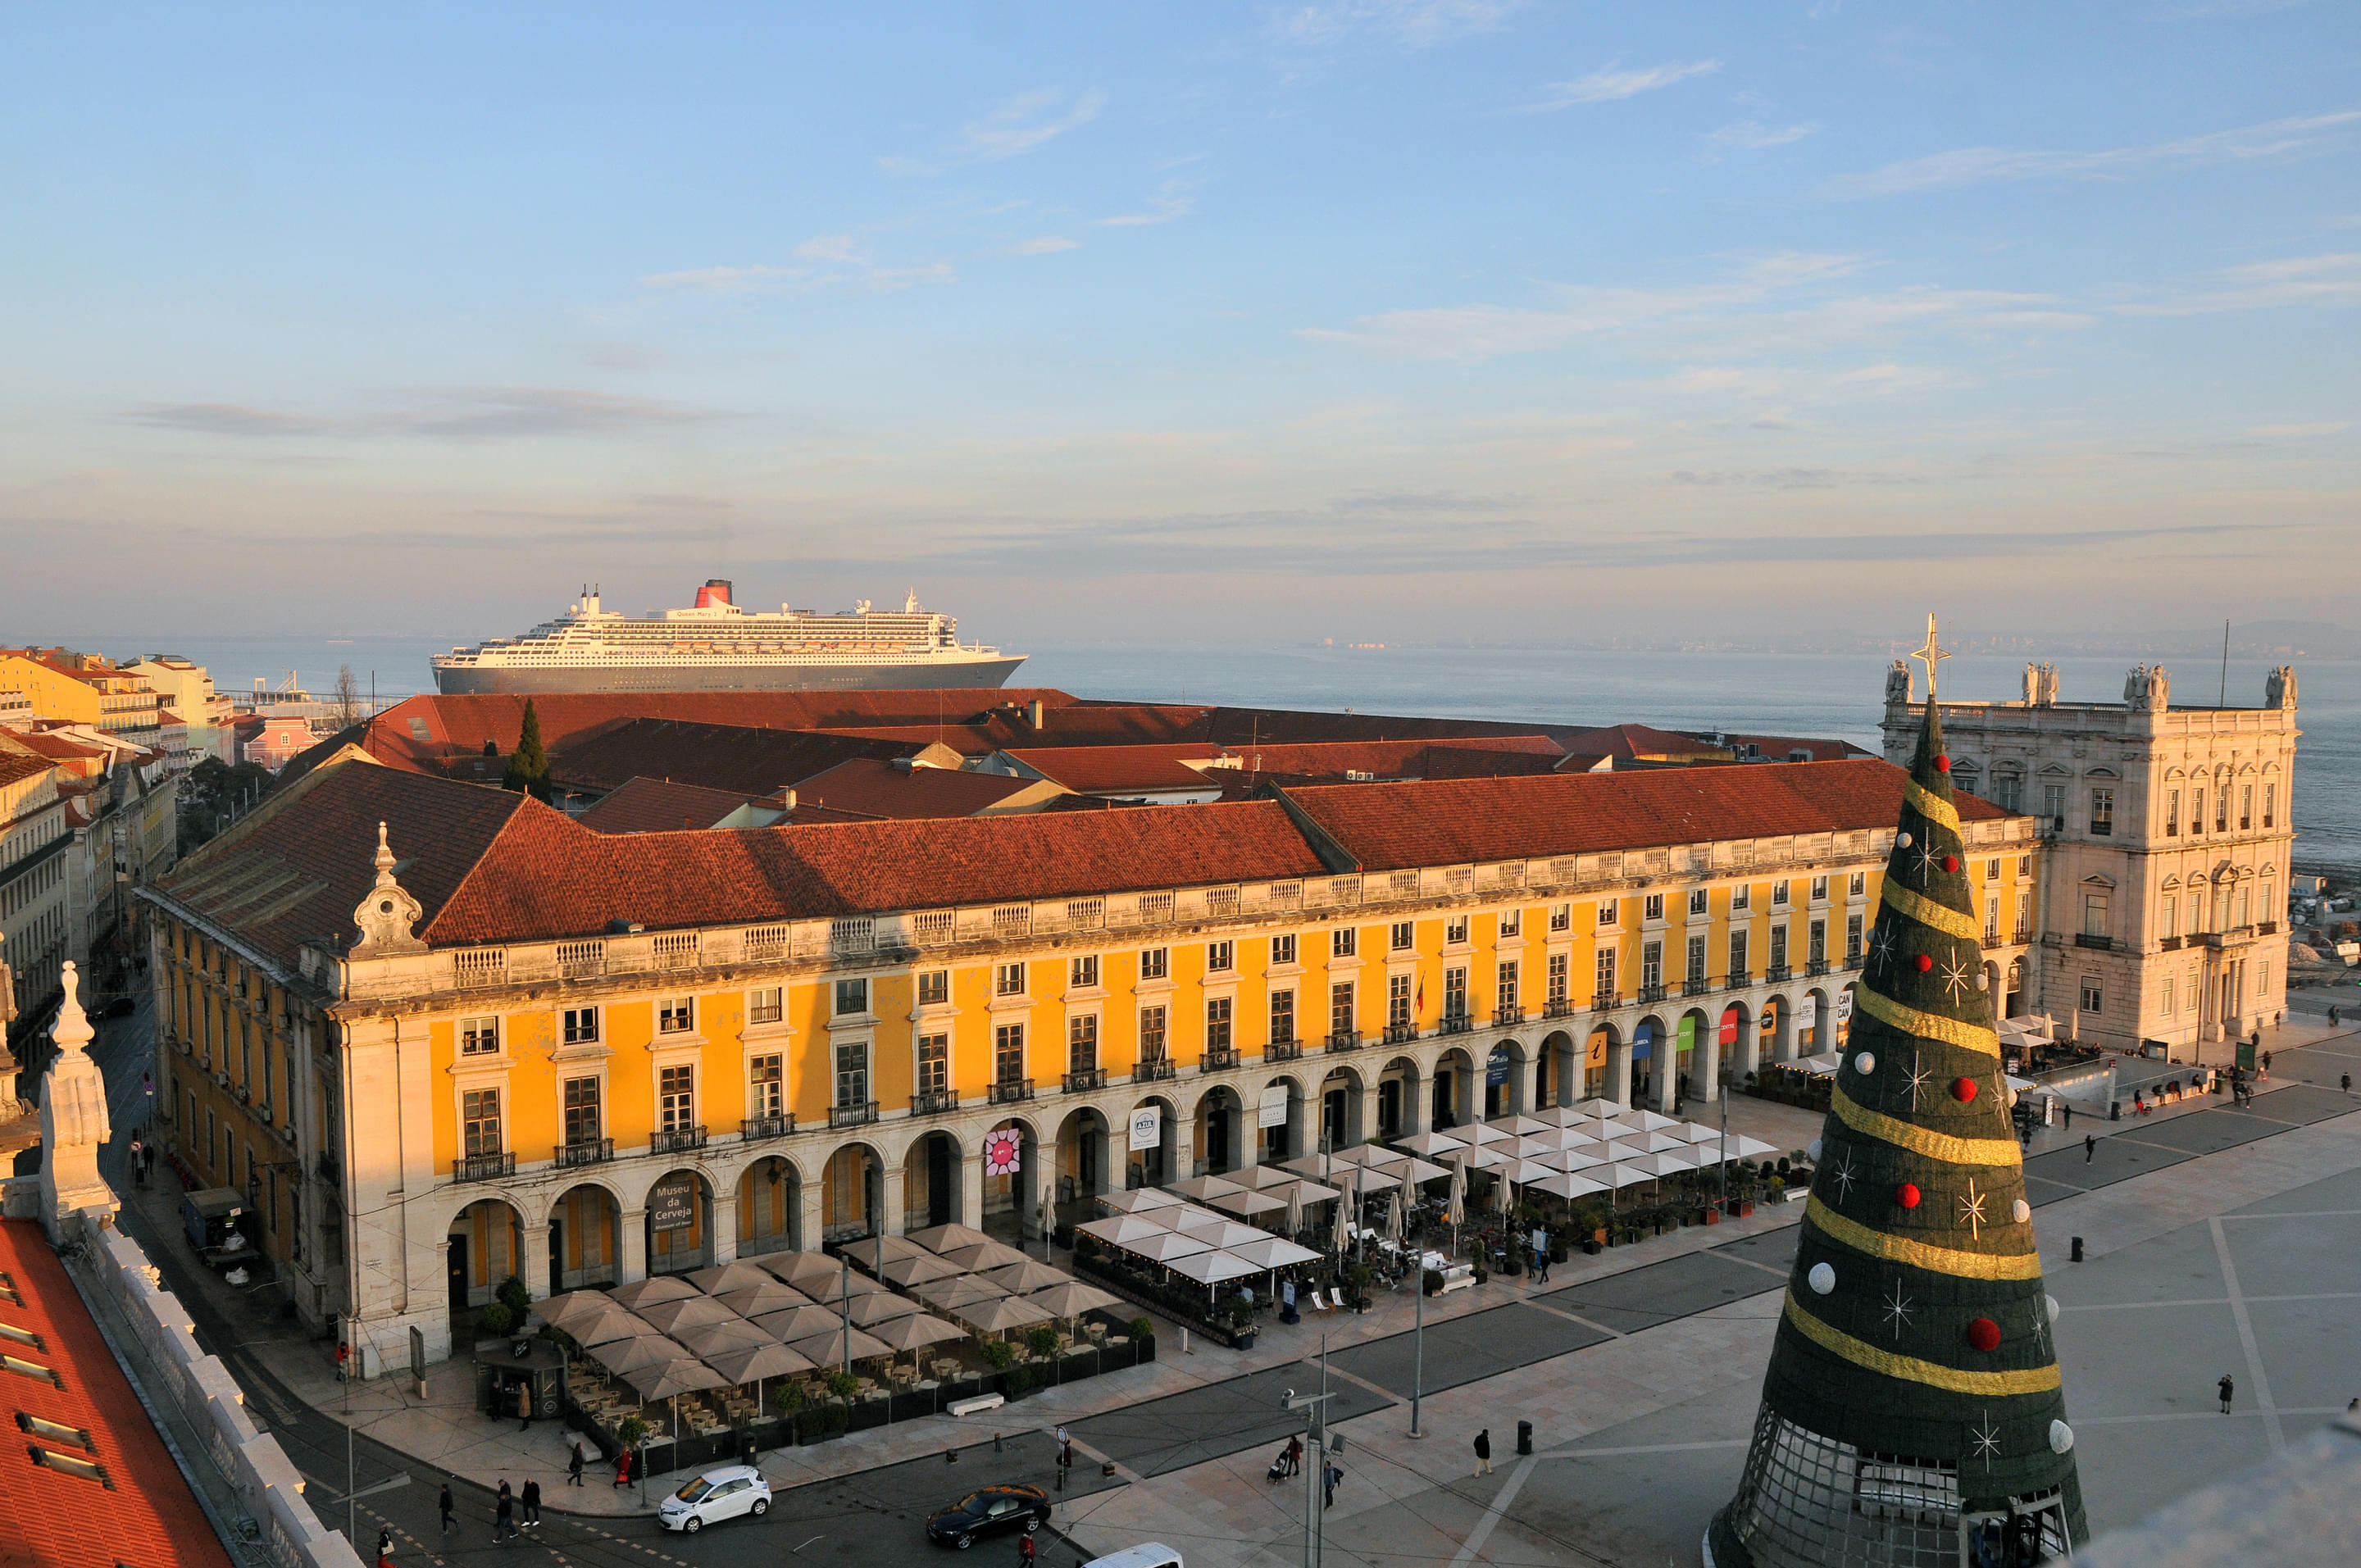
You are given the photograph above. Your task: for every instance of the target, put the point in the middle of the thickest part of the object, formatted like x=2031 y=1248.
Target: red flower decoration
x=1963 y=1090
x=1950 y=863
x=1943 y=765
x=1985 y=1334
x=1925 y=961
x=1907 y=1195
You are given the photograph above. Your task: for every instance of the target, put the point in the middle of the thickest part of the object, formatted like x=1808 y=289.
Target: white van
x=1148 y=1554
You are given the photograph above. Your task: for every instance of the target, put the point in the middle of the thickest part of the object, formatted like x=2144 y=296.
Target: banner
x=1271 y=1111
x=1003 y=1152
x=1684 y=1040
x=1147 y=1128
x=1644 y=1041
x=1495 y=1067
x=1729 y=1027
x=1807 y=1012
x=672 y=1204
x=1598 y=1056
x=1844 y=1006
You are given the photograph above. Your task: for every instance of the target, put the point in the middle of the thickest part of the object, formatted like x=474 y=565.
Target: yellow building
x=442 y=1034
x=83 y=689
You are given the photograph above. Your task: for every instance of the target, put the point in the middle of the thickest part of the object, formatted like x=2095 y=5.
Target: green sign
x=2246 y=1056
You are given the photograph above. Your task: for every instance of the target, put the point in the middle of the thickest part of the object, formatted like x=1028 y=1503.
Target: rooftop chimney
x=1033 y=712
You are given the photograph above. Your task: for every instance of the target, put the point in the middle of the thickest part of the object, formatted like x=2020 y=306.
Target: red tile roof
x=746 y=759
x=1624 y=741
x=660 y=806
x=58 y=1520
x=1390 y=826
x=16 y=766
x=871 y=787
x=1120 y=770
x=1822 y=750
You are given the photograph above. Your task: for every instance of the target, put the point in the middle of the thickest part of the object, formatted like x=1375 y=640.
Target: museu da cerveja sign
x=672 y=1204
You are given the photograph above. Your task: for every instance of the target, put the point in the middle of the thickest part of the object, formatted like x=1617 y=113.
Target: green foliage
x=515 y=1297
x=998 y=1353
x=1143 y=1328
x=528 y=769
x=788 y=1397
x=1041 y=1340
x=214 y=791
x=495 y=1319
x=841 y=1387
x=632 y=1432
x=1017 y=1380
x=1432 y=1282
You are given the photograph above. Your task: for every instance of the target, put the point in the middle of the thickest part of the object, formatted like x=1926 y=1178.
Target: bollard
x=1524 y=1439
x=995 y=1442
x=950 y=1457
x=2078 y=1249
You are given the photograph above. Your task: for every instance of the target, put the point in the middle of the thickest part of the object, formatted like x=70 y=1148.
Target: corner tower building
x=1913 y=1413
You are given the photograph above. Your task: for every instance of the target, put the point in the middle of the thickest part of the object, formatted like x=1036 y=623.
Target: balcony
x=2167 y=944
x=1853 y=961
x=1508 y=1015
x=2098 y=944
x=1651 y=993
x=1221 y=1060
x=1992 y=937
x=1455 y=1024
x=754 y=1127
x=585 y=1151
x=2234 y=937
x=1282 y=1050
x=1349 y=1039
x=933 y=1101
x=857 y=1115
x=1606 y=1000
x=329 y=1171
x=1814 y=967
x=1777 y=974
x=1085 y=1081
x=672 y=1140
x=2021 y=936
x=1152 y=1069
x=483 y=1167
x=1558 y=1007
x=1695 y=985
x=1008 y=1091
x=2268 y=928
x=1738 y=979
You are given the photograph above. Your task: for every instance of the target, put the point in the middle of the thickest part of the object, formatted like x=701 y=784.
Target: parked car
x=119 y=1007
x=990 y=1511
x=1148 y=1554
x=717 y=1495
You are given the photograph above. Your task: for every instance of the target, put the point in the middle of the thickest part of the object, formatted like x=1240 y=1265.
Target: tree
x=528 y=769
x=349 y=707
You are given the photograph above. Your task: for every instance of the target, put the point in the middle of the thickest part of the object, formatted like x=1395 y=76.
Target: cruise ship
x=716 y=645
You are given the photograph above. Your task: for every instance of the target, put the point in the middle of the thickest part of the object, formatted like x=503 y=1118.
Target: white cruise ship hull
x=453 y=678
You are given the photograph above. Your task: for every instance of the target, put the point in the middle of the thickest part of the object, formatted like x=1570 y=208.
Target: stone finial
x=386 y=916
x=385 y=861
x=74 y=1127
x=72 y=1030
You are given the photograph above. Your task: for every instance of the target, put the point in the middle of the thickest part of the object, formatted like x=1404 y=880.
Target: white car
x=715 y=1495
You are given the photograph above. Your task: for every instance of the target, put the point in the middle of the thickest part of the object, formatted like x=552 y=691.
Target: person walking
x=2345 y=1084
x=1027 y=1552
x=1329 y=1475
x=1292 y=1456
x=2266 y=1056
x=344 y=1354
x=624 y=1468
x=2332 y=1017
x=532 y=1504
x=525 y=1404
x=574 y=1465
x=385 y=1546
x=2227 y=1388
x=134 y=1162
x=2090 y=1148
x=1484 y=1451
x=447 y=1509
x=2067 y=1108
x=503 y=1515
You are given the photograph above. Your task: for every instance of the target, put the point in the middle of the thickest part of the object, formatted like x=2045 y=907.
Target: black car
x=989 y=1512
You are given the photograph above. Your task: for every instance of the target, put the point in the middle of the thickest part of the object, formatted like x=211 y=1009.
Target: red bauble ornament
x=1943 y=765
x=1907 y=1195
x=1925 y=962
x=1985 y=1334
x=1963 y=1090
x=1950 y=863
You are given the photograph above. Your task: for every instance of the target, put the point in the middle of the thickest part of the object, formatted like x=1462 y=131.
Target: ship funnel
x=716 y=591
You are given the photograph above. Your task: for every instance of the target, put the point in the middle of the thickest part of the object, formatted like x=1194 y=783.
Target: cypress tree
x=1913 y=1410
x=528 y=769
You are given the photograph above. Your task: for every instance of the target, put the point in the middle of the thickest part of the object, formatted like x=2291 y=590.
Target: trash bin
x=747 y=1447
x=2078 y=1249
x=1524 y=1438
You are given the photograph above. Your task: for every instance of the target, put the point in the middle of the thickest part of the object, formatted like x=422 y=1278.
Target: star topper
x=1932 y=654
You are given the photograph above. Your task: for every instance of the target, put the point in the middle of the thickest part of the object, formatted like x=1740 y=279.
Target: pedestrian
x=624 y=1468
x=532 y=1504
x=503 y=1515
x=343 y=1354
x=2266 y=1056
x=1484 y=1451
x=1065 y=1450
x=1330 y=1474
x=385 y=1546
x=2227 y=1388
x=2090 y=1148
x=1294 y=1457
x=524 y=1403
x=447 y=1508
x=2332 y=1018
x=1025 y=1548
x=574 y=1465
x=2068 y=1109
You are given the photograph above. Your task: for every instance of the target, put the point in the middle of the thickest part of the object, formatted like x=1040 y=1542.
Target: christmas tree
x=1913 y=1411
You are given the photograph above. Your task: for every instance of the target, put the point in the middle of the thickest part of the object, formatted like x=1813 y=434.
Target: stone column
x=810 y=1221
x=968 y=1174
x=532 y=1268
x=1705 y=1069
x=1618 y=1071
x=722 y=1238
x=632 y=1256
x=895 y=1187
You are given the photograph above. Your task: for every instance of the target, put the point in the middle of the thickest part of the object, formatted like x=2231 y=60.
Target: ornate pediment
x=386 y=916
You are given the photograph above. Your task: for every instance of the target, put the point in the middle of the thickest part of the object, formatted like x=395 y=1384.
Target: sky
x=1256 y=323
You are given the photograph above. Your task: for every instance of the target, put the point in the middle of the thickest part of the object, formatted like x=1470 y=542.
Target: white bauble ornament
x=2021 y=1211
x=1983 y=981
x=1865 y=1063
x=1822 y=1278
x=1812 y=1151
x=2049 y=1305
x=2062 y=1437
x=1902 y=839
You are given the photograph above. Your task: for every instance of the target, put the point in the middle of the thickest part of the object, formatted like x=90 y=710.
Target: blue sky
x=1437 y=318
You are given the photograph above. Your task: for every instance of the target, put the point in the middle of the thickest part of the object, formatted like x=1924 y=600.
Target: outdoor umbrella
x=1072 y=1299
x=1455 y=1206
x=868 y=1311
x=1432 y=1143
x=768 y=1297
x=833 y=1348
x=878 y=1251
x=1204 y=1189
x=1405 y=1198
x=968 y=1287
x=1518 y=1126
x=1619 y=1175
x=1647 y=1120
x=752 y=1364
x=1377 y=1157
x=1229 y=1233
x=1316 y=1166
x=1622 y=1149
x=983 y=1254
x=649 y=1291
x=713 y=1338
x=574 y=1303
x=1695 y=1132
x=1561 y=1184
x=1263 y=1177
x=1247 y=1205
x=1479 y=1134
x=913 y=1333
x=1396 y=1229
x=1294 y=1221
x=1525 y=1172
x=1422 y=1170
x=839 y=1285
x=1213 y=1268
x=1743 y=1147
x=694 y=1313
x=1191 y=1220
x=801 y=1269
x=611 y=1322
x=942 y=1238
x=920 y=1270
x=1665 y=1141
x=1165 y=1248
x=1000 y=1315
x=1139 y=1199
x=1117 y=1229
x=1481 y=1158
x=1568 y=1115
x=726 y=1278
x=669 y=1379
x=1271 y=1252
x=1305 y=1192
x=628 y=1356
x=1024 y=1278
x=799 y=1322
x=1599 y=1108
x=1573 y=1159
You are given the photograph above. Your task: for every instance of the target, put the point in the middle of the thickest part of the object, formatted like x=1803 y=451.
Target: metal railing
x=1778 y=974
x=1456 y=1024
x=2107 y=944
x=672 y=1140
x=1085 y=1081
x=330 y=1171
x=933 y=1101
x=1344 y=1040
x=1153 y=1069
x=1508 y=1015
x=1738 y=979
x=1218 y=1061
x=1558 y=1007
x=1816 y=966
x=587 y=1151
x=1283 y=1050
x=1695 y=985
x=483 y=1167
x=1396 y=1033
x=754 y=1127
x=1606 y=1001
x=859 y=1116
x=1007 y=1091
x=1651 y=993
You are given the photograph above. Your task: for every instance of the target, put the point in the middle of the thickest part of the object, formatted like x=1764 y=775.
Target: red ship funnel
x=715 y=591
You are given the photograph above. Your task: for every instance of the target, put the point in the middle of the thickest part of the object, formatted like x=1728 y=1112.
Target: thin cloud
x=1046 y=244
x=2324 y=281
x=1173 y=200
x=1752 y=136
x=1025 y=122
x=719 y=280
x=1984 y=165
x=223 y=419
x=1612 y=83
x=456 y=413
x=1413 y=24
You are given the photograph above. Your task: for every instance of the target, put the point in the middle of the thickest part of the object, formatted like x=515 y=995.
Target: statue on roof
x=74 y=1126
x=386 y=916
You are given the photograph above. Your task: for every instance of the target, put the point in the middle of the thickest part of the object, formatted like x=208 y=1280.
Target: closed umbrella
x=728 y=1276
x=648 y=1292
x=694 y=1313
x=1396 y=1225
x=770 y=1296
x=1024 y=1278
x=920 y=1270
x=1001 y=1314
x=942 y=1238
x=1455 y=1207
x=1295 y=1210
x=735 y=1334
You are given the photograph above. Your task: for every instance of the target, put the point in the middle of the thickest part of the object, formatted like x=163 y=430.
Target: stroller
x=1283 y=1466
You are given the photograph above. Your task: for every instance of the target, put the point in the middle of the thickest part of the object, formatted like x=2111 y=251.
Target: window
x=2091 y=998
x=1816 y=943
x=2169 y=916
x=1282 y=949
x=1455 y=931
x=1819 y=889
x=1513 y=923
x=766 y=1004
x=1700 y=902
x=2221 y=807
x=581 y=1025
x=1454 y=993
x=2024 y=867
x=2172 y=994
x=1008 y=979
x=1991 y=918
x=1778 y=947
x=1083 y=1043
x=2246 y=806
x=2197 y=811
x=581 y=1100
x=1741 y=898
x=2270 y=912
x=1651 y=906
x=678 y=1014
x=1082 y=974
x=1651 y=965
x=1397 y=1000
x=479 y=1037
x=2171 y=818
x=1737 y=953
x=2011 y=792
x=2270 y=803
x=1282 y=1017
x=1857 y=885
x=852 y=998
x=1509 y=997
x=1561 y=918
x=1561 y=970
x=1343 y=942
x=1155 y=963
x=766 y=1075
x=1992 y=869
x=852 y=1075
x=677 y=1099
x=1610 y=910
x=1217 y=1022
x=934 y=987
x=1152 y=1033
x=1341 y=1013
x=1779 y=895
x=2246 y=905
x=2053 y=805
x=1220 y=957
x=1401 y=937
x=2103 y=813
x=1696 y=960
x=1008 y=1053
x=1852 y=935
x=1603 y=977
x=479 y=1111
x=2094 y=914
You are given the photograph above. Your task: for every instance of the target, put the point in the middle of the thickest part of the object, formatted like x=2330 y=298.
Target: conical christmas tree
x=1913 y=1413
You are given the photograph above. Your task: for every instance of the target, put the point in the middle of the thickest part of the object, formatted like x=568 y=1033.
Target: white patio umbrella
x=1595 y=1107
x=1308 y=1192
x=1647 y=1120
x=1117 y=1229
x=942 y=1238
x=1663 y=1141
x=655 y=1288
x=1573 y=1159
x=1230 y=1235
x=1193 y=1219
x=920 y=1270
x=1614 y=1178
x=1272 y=1252
x=1377 y=1157
x=1247 y=1205
x=1166 y=1248
x=1563 y=1185
x=1518 y=1125
x=1209 y=1268
x=1695 y=1132
x=1482 y=1159
x=1434 y=1145
x=1204 y=1189
x=1262 y=1178
x=1138 y=1200
x=1567 y=1115
x=1744 y=1148
x=1480 y=1134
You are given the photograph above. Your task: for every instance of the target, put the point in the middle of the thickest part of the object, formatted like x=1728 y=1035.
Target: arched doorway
x=680 y=1223
x=1453 y=1099
x=930 y=1182
x=1220 y=1131
x=485 y=1246
x=1736 y=1038
x=586 y=1239
x=1398 y=1099
x=1082 y=1165
x=1606 y=1066
x=852 y=1194
x=1151 y=1156
x=2016 y=990
x=1557 y=1077
x=1697 y=1058
x=1279 y=1121
x=1011 y=1198
x=1822 y=1033
x=1340 y=1109
x=1504 y=1079
x=1652 y=1064
x=1777 y=1031
x=769 y=1204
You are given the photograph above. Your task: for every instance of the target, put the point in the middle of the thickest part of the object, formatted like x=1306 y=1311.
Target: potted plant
x=1432 y=1282
x=495 y=1321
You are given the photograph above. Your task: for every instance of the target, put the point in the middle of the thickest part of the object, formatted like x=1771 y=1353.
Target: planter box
x=1713 y=1216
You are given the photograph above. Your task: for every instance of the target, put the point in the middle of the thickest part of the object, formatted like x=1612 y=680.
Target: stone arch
x=1155 y=1166
x=1651 y=1054
x=485 y=1240
x=1079 y=1164
x=1823 y=1033
x=1606 y=1064
x=2013 y=992
x=1341 y=1110
x=770 y=1205
x=1560 y=1075
x=677 y=1249
x=1219 y=1127
x=1398 y=1104
x=1506 y=1098
x=1288 y=1136
x=1737 y=1042
x=585 y=1237
x=1455 y=1097
x=852 y=1193
x=1777 y=1028
x=934 y=1178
